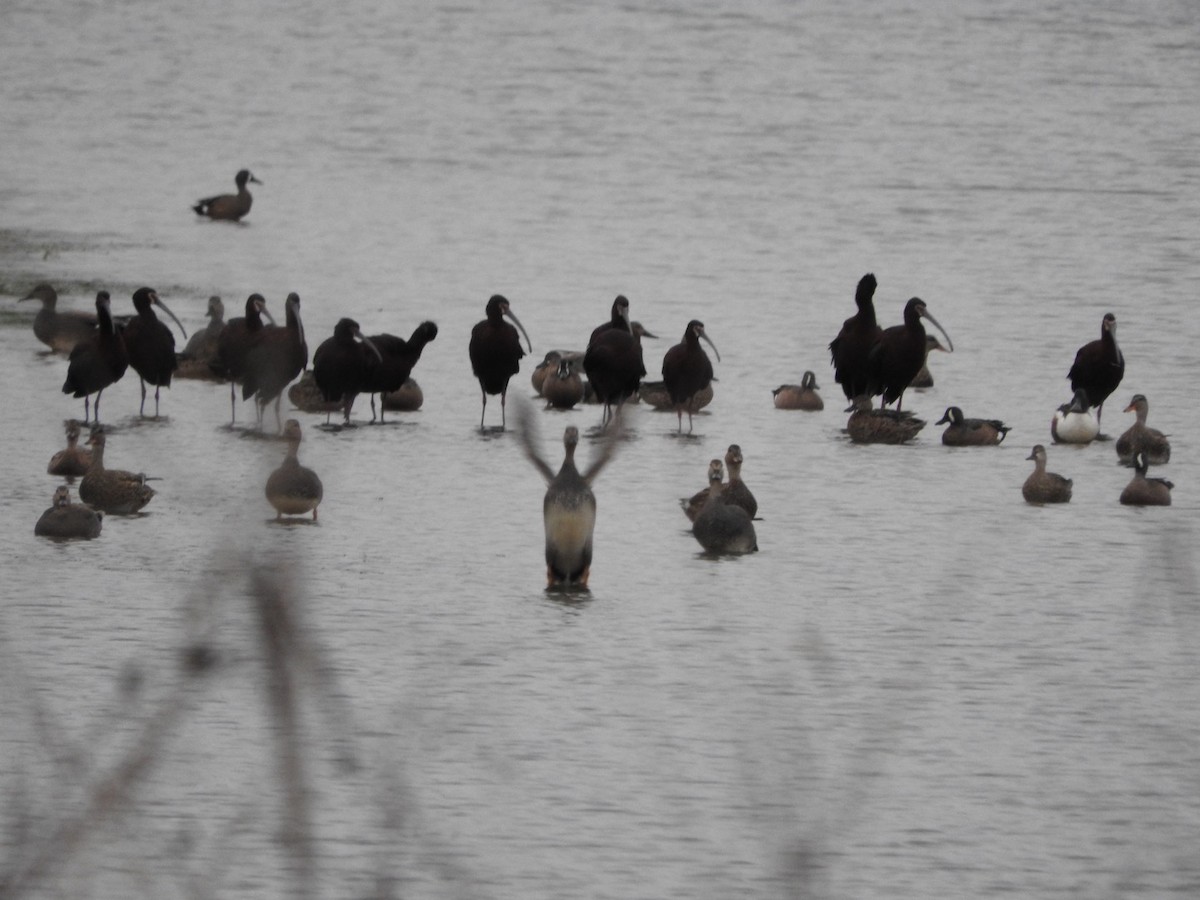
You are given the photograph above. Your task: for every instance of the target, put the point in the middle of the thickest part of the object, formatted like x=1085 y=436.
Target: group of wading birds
x=264 y=359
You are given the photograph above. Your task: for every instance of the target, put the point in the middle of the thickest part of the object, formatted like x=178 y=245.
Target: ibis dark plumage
x=495 y=352
x=229 y=207
x=341 y=363
x=850 y=351
x=799 y=396
x=60 y=331
x=234 y=343
x=275 y=360
x=395 y=365
x=98 y=361
x=151 y=345
x=1099 y=366
x=687 y=370
x=899 y=352
x=613 y=361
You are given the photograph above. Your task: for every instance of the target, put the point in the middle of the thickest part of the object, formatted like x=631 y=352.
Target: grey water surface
x=919 y=687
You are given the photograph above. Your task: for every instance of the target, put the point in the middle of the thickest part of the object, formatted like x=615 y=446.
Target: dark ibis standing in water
x=619 y=319
x=98 y=361
x=1099 y=366
x=229 y=207
x=275 y=360
x=495 y=351
x=397 y=358
x=899 y=353
x=150 y=344
x=60 y=331
x=234 y=343
x=341 y=362
x=687 y=370
x=850 y=351
x=613 y=361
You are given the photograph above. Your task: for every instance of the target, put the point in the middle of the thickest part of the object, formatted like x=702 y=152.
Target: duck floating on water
x=229 y=207
x=723 y=527
x=880 y=426
x=563 y=388
x=964 y=432
x=66 y=520
x=73 y=461
x=60 y=331
x=293 y=489
x=693 y=505
x=407 y=398
x=1140 y=437
x=1143 y=491
x=113 y=491
x=799 y=396
x=1042 y=486
x=1073 y=423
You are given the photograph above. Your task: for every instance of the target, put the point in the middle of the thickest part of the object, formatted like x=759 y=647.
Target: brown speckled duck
x=112 y=491
x=1143 y=491
x=73 y=461
x=880 y=426
x=199 y=358
x=1042 y=486
x=292 y=489
x=723 y=527
x=66 y=520
x=1139 y=437
x=799 y=396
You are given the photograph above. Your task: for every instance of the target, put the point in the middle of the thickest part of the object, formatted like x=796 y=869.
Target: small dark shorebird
x=1140 y=437
x=292 y=489
x=799 y=396
x=964 y=432
x=229 y=207
x=1143 y=491
x=113 y=491
x=66 y=520
x=723 y=527
x=73 y=461
x=1042 y=486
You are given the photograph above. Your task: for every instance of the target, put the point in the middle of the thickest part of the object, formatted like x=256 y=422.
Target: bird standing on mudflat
x=1099 y=366
x=229 y=207
x=495 y=352
x=292 y=489
x=60 y=331
x=1042 y=486
x=65 y=520
x=151 y=345
x=97 y=361
x=687 y=370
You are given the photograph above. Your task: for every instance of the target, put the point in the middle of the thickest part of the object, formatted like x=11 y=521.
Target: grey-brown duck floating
x=67 y=520
x=723 y=527
x=97 y=361
x=229 y=207
x=1042 y=486
x=274 y=361
x=73 y=461
x=799 y=396
x=199 y=357
x=1099 y=366
x=293 y=489
x=112 y=491
x=687 y=370
x=694 y=504
x=1143 y=491
x=151 y=345
x=1073 y=423
x=548 y=364
x=1140 y=437
x=60 y=331
x=656 y=395
x=495 y=352
x=880 y=426
x=735 y=490
x=964 y=432
x=899 y=352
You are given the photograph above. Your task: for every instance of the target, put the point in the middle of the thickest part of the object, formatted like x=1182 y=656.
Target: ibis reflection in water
x=229 y=207
x=569 y=507
x=293 y=489
x=65 y=520
x=60 y=331
x=1140 y=437
x=1099 y=366
x=97 y=361
x=151 y=345
x=495 y=353
x=1042 y=486
x=687 y=370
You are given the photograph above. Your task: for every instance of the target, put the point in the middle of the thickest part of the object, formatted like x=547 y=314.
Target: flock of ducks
x=264 y=359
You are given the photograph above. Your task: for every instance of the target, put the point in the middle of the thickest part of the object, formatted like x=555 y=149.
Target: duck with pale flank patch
x=1099 y=366
x=563 y=388
x=899 y=352
x=964 y=432
x=293 y=489
x=97 y=361
x=1042 y=486
x=495 y=353
x=569 y=506
x=65 y=520
x=723 y=527
x=1143 y=491
x=1140 y=437
x=880 y=426
x=924 y=378
x=60 y=331
x=799 y=396
x=113 y=491
x=307 y=397
x=687 y=370
x=199 y=356
x=229 y=207
x=151 y=345
x=73 y=461
x=1073 y=423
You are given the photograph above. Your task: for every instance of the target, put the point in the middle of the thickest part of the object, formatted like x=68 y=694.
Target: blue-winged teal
x=495 y=353
x=113 y=491
x=292 y=489
x=398 y=357
x=199 y=357
x=60 y=331
x=1073 y=423
x=229 y=207
x=65 y=519
x=880 y=426
x=799 y=396
x=150 y=344
x=899 y=353
x=687 y=370
x=74 y=460
x=963 y=432
x=1143 y=491
x=97 y=361
x=1099 y=366
x=1042 y=486
x=850 y=351
x=1139 y=437
x=723 y=527
x=341 y=362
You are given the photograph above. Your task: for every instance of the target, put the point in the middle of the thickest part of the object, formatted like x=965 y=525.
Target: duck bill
x=369 y=343
x=509 y=314
x=163 y=306
x=708 y=341
x=949 y=344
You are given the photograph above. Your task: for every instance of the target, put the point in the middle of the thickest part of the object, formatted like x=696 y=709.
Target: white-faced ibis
x=398 y=357
x=341 y=363
x=274 y=360
x=72 y=461
x=113 y=491
x=613 y=360
x=924 y=378
x=735 y=490
x=1042 y=486
x=199 y=357
x=229 y=207
x=98 y=361
x=723 y=527
x=850 y=351
x=66 y=520
x=964 y=432
x=618 y=319
x=60 y=331
x=899 y=353
x=694 y=504
x=150 y=344
x=1143 y=491
x=495 y=352
x=563 y=387
x=1099 y=366
x=799 y=396
x=292 y=489
x=880 y=426
x=234 y=343
x=1073 y=423
x=1142 y=438
x=569 y=507
x=687 y=370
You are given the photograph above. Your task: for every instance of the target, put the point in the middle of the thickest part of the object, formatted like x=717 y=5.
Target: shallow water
x=920 y=686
